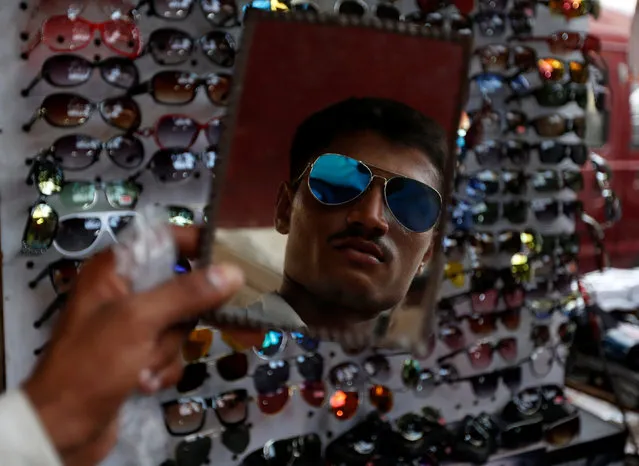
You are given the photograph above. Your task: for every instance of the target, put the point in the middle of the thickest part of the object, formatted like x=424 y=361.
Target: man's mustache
x=362 y=233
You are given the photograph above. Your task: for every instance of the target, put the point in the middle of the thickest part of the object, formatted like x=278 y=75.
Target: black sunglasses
x=336 y=180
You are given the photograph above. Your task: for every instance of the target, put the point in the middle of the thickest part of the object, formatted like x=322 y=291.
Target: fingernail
x=224 y=275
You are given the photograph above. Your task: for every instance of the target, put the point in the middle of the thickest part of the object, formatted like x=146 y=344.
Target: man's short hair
x=394 y=121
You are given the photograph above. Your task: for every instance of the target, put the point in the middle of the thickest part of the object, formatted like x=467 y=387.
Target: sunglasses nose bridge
x=370 y=207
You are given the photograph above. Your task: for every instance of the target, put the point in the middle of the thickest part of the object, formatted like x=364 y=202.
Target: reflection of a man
x=358 y=211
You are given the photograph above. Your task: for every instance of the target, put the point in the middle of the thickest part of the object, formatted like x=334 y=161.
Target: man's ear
x=283 y=208
x=427 y=256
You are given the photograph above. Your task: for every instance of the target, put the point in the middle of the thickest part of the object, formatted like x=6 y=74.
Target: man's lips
x=362 y=246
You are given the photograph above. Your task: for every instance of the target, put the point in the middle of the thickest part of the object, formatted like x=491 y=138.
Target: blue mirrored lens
x=306 y=343
x=272 y=344
x=414 y=205
x=335 y=179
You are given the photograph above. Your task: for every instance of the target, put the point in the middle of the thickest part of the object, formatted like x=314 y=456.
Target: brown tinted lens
x=563 y=432
x=197 y=344
x=524 y=58
x=63 y=277
x=121 y=112
x=314 y=393
x=344 y=404
x=551 y=69
x=579 y=126
x=218 y=87
x=66 y=110
x=173 y=87
x=540 y=335
x=381 y=397
x=184 y=418
x=550 y=126
x=452 y=337
x=578 y=72
x=494 y=57
x=273 y=403
x=232 y=367
x=511 y=318
x=482 y=324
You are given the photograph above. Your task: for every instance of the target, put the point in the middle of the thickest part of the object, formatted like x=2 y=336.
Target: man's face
x=356 y=277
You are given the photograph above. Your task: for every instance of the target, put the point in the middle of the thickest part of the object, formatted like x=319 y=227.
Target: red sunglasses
x=181 y=131
x=63 y=34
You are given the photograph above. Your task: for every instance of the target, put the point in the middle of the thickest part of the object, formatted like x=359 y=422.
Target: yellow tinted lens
x=578 y=72
x=454 y=271
x=550 y=69
x=520 y=267
x=197 y=344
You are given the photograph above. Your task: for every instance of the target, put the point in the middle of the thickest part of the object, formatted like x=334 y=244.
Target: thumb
x=187 y=297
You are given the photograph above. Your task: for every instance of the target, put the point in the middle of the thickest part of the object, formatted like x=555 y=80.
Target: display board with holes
x=132 y=119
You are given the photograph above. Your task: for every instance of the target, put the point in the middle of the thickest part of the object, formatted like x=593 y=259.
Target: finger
x=171 y=374
x=187 y=239
x=188 y=296
x=169 y=347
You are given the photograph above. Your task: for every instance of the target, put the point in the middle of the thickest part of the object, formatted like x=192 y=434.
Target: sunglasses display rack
x=234 y=400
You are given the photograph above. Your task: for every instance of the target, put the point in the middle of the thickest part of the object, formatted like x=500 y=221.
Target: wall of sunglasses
x=118 y=110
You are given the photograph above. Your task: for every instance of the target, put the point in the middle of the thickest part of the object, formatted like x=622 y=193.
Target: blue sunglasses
x=336 y=180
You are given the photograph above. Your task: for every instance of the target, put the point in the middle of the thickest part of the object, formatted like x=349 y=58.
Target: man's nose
x=369 y=211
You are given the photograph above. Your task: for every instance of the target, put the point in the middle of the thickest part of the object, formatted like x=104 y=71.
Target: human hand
x=110 y=341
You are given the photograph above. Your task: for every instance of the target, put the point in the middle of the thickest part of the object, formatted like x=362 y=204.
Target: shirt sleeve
x=23 y=439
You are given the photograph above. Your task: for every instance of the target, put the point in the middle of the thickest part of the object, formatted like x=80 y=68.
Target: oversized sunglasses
x=177 y=130
x=74 y=70
x=337 y=180
x=80 y=151
x=64 y=34
x=67 y=110
x=168 y=46
x=180 y=88
x=220 y=13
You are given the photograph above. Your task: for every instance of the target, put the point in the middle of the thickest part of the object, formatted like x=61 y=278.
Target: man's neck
x=316 y=312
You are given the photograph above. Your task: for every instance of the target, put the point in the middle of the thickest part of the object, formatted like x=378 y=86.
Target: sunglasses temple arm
x=50 y=311
x=40 y=350
x=27 y=90
x=36 y=116
x=139 y=89
x=41 y=276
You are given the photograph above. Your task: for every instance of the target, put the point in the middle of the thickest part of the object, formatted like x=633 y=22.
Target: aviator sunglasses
x=337 y=180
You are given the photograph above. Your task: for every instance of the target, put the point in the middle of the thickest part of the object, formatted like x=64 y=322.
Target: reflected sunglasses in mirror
x=495 y=87
x=173 y=165
x=556 y=95
x=566 y=244
x=168 y=46
x=438 y=21
x=64 y=34
x=496 y=23
x=220 y=13
x=74 y=70
x=188 y=415
x=552 y=125
x=490 y=182
x=497 y=152
x=504 y=242
x=552 y=152
x=356 y=8
x=66 y=110
x=496 y=58
x=480 y=354
x=271 y=383
x=180 y=88
x=232 y=367
x=564 y=42
x=171 y=131
x=80 y=151
x=336 y=180
x=62 y=273
x=572 y=9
